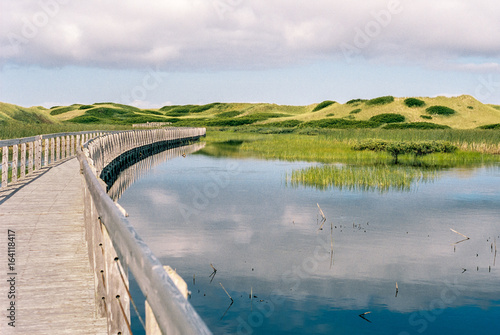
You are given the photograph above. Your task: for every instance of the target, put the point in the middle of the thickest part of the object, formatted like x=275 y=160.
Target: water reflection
x=128 y=176
x=263 y=238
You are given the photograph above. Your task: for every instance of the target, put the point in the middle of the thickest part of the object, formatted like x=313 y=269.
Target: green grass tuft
x=355 y=101
x=415 y=125
x=85 y=119
x=323 y=104
x=366 y=178
x=388 y=118
x=284 y=124
x=491 y=126
x=339 y=124
x=148 y=111
x=414 y=102
x=380 y=101
x=61 y=110
x=440 y=110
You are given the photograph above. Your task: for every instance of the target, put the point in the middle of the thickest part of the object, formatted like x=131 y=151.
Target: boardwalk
x=54 y=284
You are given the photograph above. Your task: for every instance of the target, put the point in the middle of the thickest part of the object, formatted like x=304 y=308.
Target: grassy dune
x=470 y=113
x=16 y=122
x=463 y=112
x=323 y=132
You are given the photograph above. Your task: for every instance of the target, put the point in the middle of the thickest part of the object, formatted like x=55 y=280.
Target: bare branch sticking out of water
x=226 y=292
x=212 y=275
x=321 y=212
x=323 y=217
x=467 y=237
x=362 y=315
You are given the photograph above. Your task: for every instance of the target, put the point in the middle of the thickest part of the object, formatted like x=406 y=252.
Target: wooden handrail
x=111 y=238
x=22 y=156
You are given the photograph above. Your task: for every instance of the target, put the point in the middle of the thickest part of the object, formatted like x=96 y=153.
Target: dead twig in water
x=321 y=212
x=323 y=217
x=226 y=292
x=466 y=237
x=362 y=315
x=212 y=275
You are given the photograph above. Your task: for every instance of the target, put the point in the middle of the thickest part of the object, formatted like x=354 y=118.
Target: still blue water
x=263 y=237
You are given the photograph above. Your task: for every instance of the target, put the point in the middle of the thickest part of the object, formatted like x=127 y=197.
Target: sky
x=162 y=52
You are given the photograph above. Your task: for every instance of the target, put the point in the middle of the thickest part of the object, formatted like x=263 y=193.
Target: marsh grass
x=382 y=178
x=345 y=168
x=328 y=142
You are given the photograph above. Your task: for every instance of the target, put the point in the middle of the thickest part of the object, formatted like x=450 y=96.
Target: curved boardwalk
x=54 y=283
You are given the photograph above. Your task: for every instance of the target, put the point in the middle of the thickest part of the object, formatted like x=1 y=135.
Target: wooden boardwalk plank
x=54 y=283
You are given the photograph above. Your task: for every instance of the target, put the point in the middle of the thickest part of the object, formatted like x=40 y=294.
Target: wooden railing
x=151 y=125
x=22 y=156
x=115 y=247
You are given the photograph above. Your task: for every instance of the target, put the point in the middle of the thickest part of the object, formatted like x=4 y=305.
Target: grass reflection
x=346 y=168
x=366 y=178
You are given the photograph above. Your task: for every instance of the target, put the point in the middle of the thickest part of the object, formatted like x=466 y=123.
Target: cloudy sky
x=60 y=52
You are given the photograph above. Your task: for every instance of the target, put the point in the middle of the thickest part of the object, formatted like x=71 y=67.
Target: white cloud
x=243 y=34
x=478 y=67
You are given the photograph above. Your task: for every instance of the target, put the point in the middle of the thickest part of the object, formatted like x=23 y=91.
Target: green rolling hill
x=463 y=112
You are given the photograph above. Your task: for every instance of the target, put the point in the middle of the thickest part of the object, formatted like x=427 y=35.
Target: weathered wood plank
x=54 y=282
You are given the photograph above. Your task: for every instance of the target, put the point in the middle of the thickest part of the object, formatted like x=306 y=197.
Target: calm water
x=263 y=236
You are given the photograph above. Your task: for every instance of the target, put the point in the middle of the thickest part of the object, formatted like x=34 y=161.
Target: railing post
x=46 y=160
x=96 y=251
x=72 y=145
x=52 y=150
x=118 y=301
x=30 y=157
x=15 y=160
x=35 y=160
x=67 y=146
x=23 y=160
x=5 y=166
x=58 y=149
x=63 y=146
x=38 y=154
